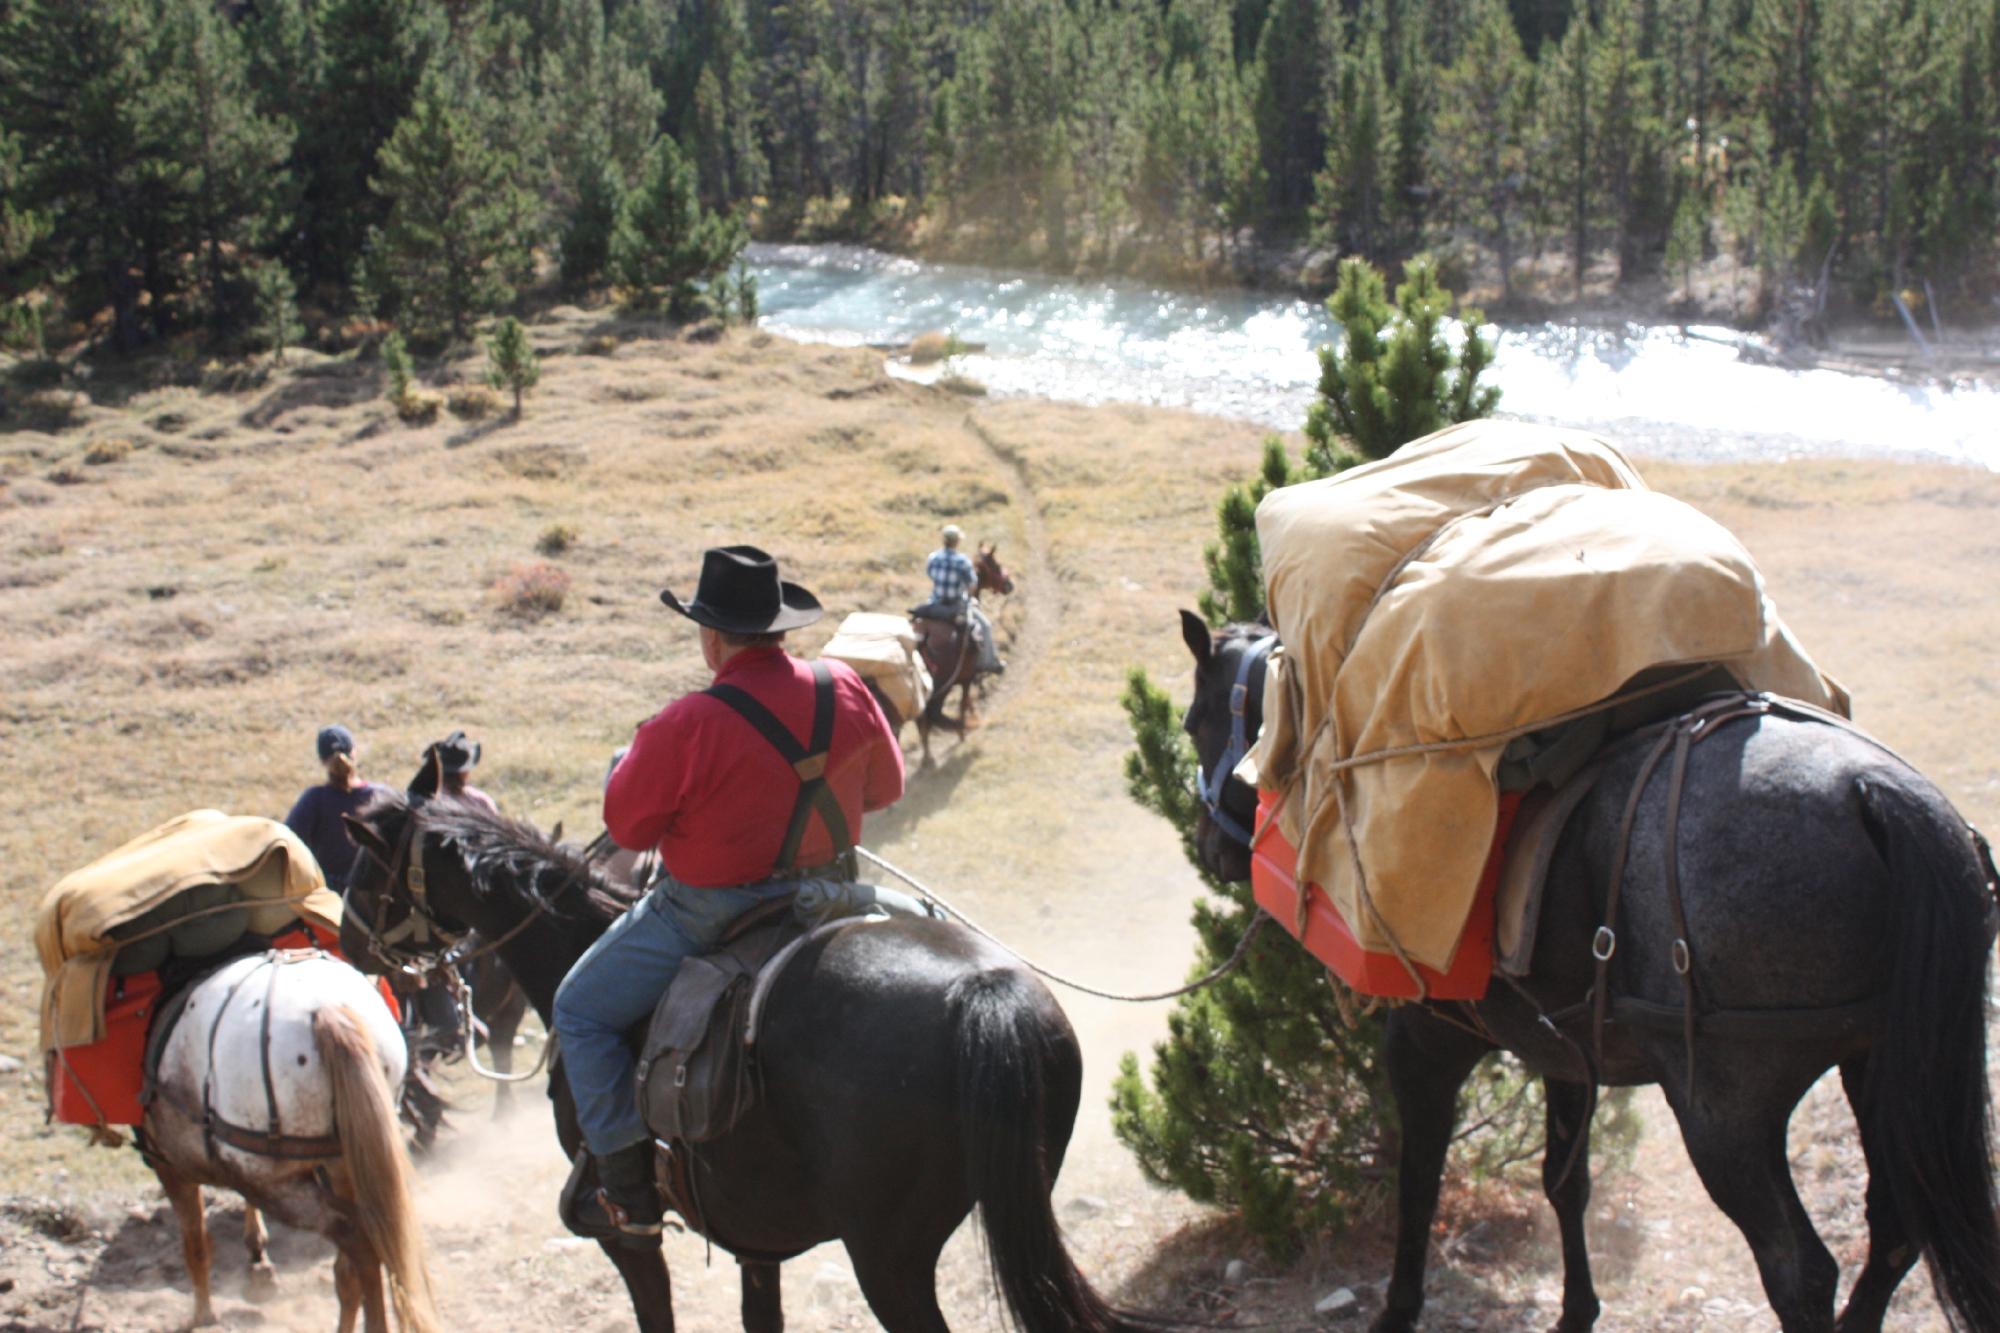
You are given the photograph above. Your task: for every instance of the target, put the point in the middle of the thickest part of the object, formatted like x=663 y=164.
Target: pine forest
x=177 y=164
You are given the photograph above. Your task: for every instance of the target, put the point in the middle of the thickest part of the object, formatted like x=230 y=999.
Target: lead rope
x=461 y=995
x=932 y=897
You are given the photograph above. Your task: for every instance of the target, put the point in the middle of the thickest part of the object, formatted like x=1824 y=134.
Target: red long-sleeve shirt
x=715 y=797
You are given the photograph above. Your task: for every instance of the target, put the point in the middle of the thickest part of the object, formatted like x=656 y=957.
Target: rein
x=388 y=945
x=931 y=896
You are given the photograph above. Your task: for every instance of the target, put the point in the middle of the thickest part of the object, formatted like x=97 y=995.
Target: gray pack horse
x=1834 y=912
x=277 y=1080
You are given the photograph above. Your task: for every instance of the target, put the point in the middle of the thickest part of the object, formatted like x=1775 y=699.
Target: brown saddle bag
x=696 y=1078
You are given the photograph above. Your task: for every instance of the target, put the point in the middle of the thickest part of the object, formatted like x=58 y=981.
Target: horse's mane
x=502 y=854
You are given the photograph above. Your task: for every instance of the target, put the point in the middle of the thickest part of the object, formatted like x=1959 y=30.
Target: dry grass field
x=181 y=614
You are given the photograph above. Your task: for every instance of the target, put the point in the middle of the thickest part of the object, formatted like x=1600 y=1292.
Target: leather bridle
x=1214 y=782
x=403 y=947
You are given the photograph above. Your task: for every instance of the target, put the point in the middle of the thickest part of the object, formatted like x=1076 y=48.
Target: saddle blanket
x=1489 y=579
x=167 y=892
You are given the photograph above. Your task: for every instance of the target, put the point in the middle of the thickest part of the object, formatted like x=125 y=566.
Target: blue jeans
x=618 y=981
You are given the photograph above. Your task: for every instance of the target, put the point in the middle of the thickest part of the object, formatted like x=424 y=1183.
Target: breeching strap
x=807 y=761
x=1677 y=738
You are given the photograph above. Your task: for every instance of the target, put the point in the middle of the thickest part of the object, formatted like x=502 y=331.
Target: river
x=1660 y=390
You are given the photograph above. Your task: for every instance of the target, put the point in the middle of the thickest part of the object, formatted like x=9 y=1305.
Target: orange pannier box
x=1327 y=937
x=111 y=1072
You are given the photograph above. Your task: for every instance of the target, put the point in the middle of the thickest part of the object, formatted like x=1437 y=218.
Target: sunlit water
x=1249 y=355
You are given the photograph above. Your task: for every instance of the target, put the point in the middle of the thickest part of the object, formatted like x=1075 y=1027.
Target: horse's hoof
x=261 y=1283
x=204 y=1317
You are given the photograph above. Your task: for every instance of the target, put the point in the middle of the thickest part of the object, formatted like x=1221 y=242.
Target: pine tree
x=1393 y=377
x=511 y=361
x=237 y=191
x=666 y=243
x=23 y=230
x=368 y=58
x=78 y=87
x=1292 y=74
x=1627 y=133
x=1349 y=191
x=1688 y=239
x=277 y=307
x=1410 y=175
x=1567 y=134
x=455 y=233
x=396 y=367
x=593 y=217
x=1479 y=134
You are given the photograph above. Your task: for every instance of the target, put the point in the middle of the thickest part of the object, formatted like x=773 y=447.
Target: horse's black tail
x=1005 y=1052
x=1925 y=1104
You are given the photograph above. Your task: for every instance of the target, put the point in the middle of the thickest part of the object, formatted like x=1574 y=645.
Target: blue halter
x=1214 y=780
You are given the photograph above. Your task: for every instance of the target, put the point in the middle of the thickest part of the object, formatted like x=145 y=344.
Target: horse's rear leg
x=1891 y=1254
x=184 y=1193
x=263 y=1279
x=1427 y=1061
x=901 y=1287
x=1735 y=1135
x=763 y=1301
x=1566 y=1180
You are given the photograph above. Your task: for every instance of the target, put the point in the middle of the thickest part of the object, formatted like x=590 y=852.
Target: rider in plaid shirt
x=951 y=571
x=953 y=580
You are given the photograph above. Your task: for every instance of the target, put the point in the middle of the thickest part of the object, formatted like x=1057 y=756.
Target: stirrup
x=616 y=1226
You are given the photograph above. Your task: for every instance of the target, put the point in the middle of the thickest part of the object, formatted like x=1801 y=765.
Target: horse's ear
x=430 y=777
x=555 y=834
x=1199 y=641
x=364 y=835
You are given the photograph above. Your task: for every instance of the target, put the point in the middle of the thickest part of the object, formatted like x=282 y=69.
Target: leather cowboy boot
x=626 y=1202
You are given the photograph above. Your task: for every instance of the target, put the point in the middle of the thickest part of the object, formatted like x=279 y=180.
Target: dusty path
x=652 y=453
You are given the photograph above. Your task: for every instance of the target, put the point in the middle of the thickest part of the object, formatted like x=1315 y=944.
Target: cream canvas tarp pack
x=1491 y=577
x=90 y=914
x=883 y=648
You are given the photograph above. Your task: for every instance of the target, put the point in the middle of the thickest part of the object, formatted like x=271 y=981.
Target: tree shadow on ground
x=473 y=434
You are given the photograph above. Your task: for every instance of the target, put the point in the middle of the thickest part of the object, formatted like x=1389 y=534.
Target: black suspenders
x=808 y=761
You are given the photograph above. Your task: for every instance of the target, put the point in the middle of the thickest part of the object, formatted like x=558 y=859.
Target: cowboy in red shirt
x=748 y=789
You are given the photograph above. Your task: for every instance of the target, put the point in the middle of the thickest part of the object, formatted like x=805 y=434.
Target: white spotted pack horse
x=276 y=1078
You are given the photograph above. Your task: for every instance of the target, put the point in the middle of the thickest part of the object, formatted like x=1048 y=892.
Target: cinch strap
x=809 y=762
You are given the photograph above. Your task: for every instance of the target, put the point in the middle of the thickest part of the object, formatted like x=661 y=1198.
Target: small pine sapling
x=396 y=365
x=511 y=362
x=277 y=307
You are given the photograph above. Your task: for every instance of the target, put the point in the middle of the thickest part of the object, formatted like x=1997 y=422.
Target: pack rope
x=931 y=896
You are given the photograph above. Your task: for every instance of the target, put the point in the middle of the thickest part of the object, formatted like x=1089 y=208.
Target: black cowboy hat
x=455 y=753
x=740 y=593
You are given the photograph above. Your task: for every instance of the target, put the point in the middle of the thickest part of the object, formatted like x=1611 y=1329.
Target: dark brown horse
x=1839 y=914
x=953 y=658
x=909 y=1071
